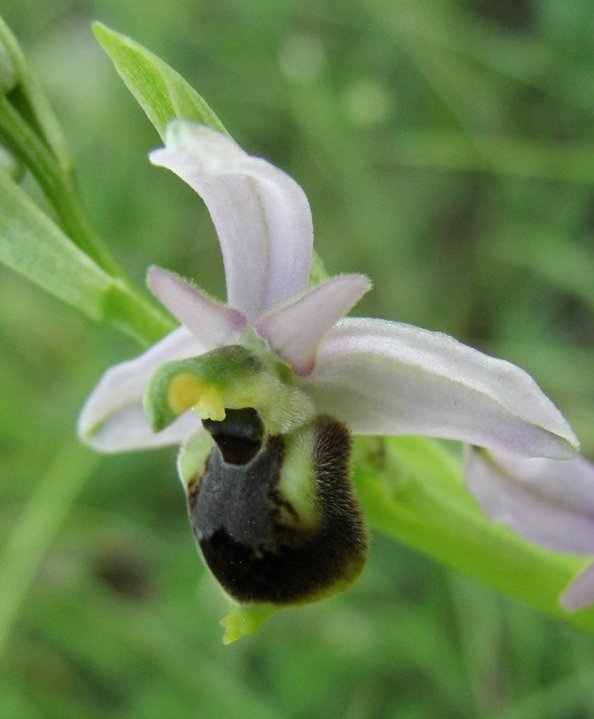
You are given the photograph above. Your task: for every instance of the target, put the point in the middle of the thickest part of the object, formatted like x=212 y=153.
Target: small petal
x=212 y=323
x=261 y=215
x=580 y=593
x=113 y=419
x=389 y=378
x=548 y=501
x=296 y=330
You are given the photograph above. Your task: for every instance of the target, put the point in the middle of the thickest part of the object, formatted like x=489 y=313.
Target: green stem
x=56 y=184
x=411 y=489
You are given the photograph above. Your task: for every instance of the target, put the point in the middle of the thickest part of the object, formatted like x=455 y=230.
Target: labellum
x=275 y=516
x=268 y=483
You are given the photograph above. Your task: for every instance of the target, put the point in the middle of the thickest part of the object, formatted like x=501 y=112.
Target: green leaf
x=162 y=93
x=28 y=98
x=31 y=244
x=34 y=246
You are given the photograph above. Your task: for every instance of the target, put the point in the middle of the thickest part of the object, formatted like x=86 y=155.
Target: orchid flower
x=280 y=379
x=548 y=501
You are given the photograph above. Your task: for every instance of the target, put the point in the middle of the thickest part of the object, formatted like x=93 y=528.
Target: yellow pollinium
x=210 y=405
x=186 y=391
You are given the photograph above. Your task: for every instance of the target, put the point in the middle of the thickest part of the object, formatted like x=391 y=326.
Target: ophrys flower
x=280 y=378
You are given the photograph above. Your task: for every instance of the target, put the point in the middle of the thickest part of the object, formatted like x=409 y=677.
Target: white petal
x=113 y=420
x=580 y=593
x=389 y=378
x=261 y=215
x=212 y=323
x=549 y=501
x=296 y=330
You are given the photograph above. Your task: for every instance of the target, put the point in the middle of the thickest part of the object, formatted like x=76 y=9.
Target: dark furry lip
x=252 y=536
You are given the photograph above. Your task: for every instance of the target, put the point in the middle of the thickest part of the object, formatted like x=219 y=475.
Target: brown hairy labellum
x=276 y=517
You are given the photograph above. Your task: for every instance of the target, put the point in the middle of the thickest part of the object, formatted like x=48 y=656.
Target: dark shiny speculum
x=239 y=436
x=276 y=520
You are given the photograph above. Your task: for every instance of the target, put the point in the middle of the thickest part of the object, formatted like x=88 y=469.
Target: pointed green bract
x=245 y=619
x=162 y=92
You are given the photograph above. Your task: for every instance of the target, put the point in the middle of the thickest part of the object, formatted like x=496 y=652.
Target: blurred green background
x=447 y=149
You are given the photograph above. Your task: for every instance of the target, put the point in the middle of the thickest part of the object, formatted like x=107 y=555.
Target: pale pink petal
x=296 y=330
x=580 y=593
x=212 y=323
x=261 y=215
x=389 y=378
x=548 y=501
x=113 y=419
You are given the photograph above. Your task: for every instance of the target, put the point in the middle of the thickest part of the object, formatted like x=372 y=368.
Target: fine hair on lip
x=252 y=536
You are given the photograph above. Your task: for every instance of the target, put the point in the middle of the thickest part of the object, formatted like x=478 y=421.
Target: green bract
x=161 y=92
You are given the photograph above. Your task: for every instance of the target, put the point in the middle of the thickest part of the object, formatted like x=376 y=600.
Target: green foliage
x=30 y=99
x=66 y=257
x=119 y=618
x=32 y=245
x=35 y=247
